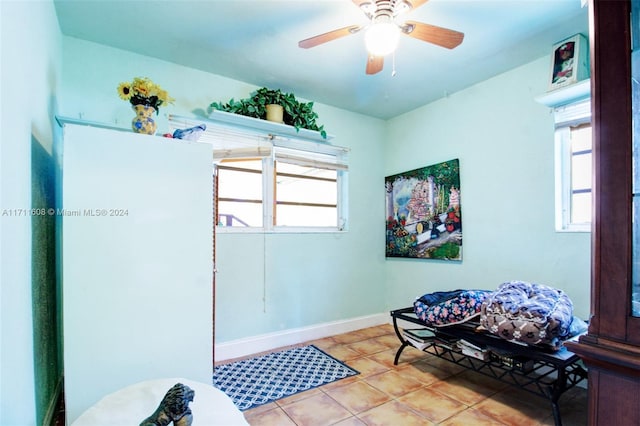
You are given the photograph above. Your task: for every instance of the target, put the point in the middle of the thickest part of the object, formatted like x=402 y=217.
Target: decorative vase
x=275 y=113
x=143 y=121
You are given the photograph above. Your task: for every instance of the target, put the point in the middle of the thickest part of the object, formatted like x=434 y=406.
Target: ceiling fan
x=383 y=31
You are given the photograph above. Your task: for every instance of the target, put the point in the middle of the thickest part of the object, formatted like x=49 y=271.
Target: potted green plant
x=244 y=107
x=303 y=116
x=257 y=105
x=274 y=102
x=298 y=114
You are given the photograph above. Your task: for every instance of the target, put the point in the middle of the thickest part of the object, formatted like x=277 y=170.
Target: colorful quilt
x=529 y=313
x=448 y=308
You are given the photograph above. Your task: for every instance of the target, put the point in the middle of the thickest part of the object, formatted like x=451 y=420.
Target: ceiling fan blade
x=374 y=64
x=431 y=34
x=331 y=35
x=414 y=4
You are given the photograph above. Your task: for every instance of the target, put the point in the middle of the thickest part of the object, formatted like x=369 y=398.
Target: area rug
x=256 y=381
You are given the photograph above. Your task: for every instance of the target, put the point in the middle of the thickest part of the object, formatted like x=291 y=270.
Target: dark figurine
x=174 y=407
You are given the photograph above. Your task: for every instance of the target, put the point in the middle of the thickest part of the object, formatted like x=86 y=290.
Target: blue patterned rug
x=266 y=378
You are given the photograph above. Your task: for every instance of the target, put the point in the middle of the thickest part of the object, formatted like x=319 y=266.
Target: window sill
x=575 y=228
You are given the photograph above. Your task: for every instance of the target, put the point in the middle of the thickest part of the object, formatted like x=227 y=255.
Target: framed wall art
x=423 y=211
x=569 y=62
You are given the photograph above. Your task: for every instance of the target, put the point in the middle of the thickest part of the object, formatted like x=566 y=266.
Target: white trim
x=565 y=95
x=571 y=114
x=562 y=179
x=266 y=342
x=250 y=125
x=264 y=126
x=565 y=117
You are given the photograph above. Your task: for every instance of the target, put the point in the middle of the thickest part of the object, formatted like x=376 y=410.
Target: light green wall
x=310 y=278
x=30 y=57
x=92 y=72
x=269 y=282
x=502 y=137
x=504 y=141
x=266 y=283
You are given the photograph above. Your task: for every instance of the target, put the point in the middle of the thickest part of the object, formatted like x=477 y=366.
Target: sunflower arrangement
x=143 y=91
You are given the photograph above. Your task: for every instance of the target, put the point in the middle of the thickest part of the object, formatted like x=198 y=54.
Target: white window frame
x=232 y=142
x=309 y=153
x=565 y=116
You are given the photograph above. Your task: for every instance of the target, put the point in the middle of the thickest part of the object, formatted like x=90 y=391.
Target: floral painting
x=424 y=218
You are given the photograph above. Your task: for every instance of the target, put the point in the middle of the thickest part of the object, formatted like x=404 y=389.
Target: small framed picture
x=569 y=62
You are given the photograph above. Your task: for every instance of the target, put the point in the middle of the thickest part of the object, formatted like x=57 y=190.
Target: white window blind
x=310 y=159
x=572 y=114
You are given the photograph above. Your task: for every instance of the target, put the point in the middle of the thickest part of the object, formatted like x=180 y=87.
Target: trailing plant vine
x=298 y=114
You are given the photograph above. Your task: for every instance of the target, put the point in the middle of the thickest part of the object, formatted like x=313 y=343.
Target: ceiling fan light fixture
x=382 y=38
x=383 y=33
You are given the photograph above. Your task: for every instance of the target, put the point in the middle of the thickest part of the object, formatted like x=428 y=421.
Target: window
x=291 y=189
x=272 y=183
x=307 y=189
x=573 y=154
x=302 y=189
x=240 y=198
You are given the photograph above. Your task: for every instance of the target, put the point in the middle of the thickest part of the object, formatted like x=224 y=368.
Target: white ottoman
x=133 y=404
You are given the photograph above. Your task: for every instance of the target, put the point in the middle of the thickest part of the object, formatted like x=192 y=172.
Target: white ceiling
x=257 y=42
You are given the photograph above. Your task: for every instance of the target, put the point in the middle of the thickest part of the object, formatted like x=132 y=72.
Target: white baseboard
x=266 y=342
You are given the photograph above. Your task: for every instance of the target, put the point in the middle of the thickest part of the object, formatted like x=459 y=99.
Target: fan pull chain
x=393 y=61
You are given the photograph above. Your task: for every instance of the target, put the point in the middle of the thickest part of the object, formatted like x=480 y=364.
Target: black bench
x=543 y=372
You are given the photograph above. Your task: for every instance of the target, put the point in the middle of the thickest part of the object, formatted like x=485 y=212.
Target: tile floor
x=420 y=390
